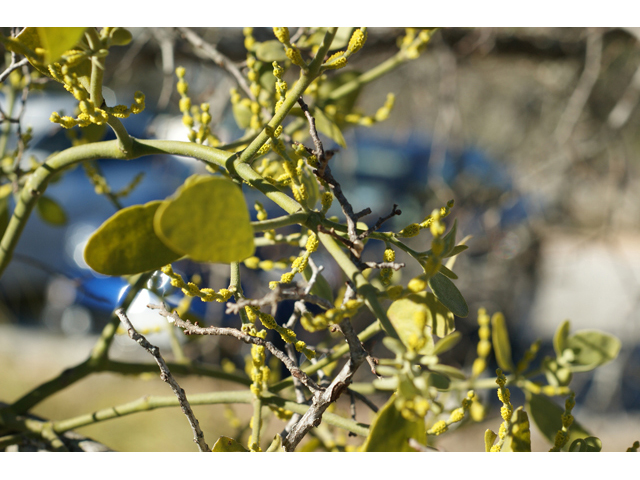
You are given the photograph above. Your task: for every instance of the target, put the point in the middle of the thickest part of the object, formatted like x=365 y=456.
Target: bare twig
x=166 y=376
x=581 y=94
x=394 y=211
x=626 y=104
x=191 y=329
x=279 y=294
x=324 y=172
x=220 y=59
x=12 y=67
x=393 y=265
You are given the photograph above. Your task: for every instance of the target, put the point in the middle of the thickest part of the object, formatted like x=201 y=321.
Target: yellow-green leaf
x=126 y=243
x=489 y=437
x=592 y=348
x=447 y=343
x=270 y=51
x=208 y=220
x=390 y=431
x=449 y=295
x=501 y=343
x=560 y=338
x=227 y=444
x=51 y=211
x=57 y=40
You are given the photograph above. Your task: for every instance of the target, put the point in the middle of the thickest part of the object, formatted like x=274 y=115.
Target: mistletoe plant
x=206 y=220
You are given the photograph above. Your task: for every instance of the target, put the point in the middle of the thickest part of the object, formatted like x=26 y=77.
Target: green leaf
x=560 y=338
x=438 y=381
x=390 y=431
x=270 y=51
x=227 y=444
x=449 y=371
x=519 y=438
x=321 y=287
x=242 y=114
x=207 y=219
x=449 y=295
x=489 y=437
x=457 y=250
x=439 y=318
x=501 y=344
x=447 y=273
x=447 y=343
x=450 y=239
x=311 y=184
x=126 y=243
x=57 y=40
x=51 y=212
x=408 y=316
x=548 y=418
x=592 y=348
x=327 y=126
x=30 y=37
x=589 y=444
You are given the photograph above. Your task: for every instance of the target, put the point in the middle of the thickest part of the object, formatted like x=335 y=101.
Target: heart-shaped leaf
x=208 y=220
x=126 y=243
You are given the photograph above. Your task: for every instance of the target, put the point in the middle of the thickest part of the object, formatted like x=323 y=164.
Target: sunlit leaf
x=447 y=343
x=227 y=444
x=51 y=212
x=57 y=40
x=449 y=295
x=208 y=220
x=126 y=243
x=390 y=431
x=489 y=437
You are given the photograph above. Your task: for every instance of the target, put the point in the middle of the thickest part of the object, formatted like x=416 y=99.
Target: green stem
x=97 y=67
x=256 y=423
x=152 y=402
x=364 y=288
x=279 y=222
x=306 y=78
